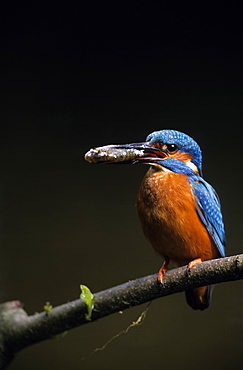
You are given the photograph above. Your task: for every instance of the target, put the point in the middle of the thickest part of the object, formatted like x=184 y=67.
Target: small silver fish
x=113 y=154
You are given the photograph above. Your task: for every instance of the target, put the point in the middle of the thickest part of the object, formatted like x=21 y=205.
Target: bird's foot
x=162 y=271
x=192 y=264
x=161 y=274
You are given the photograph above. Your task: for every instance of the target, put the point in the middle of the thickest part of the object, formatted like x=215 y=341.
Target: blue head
x=175 y=144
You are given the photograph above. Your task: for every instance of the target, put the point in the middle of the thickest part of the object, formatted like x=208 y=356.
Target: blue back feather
x=207 y=201
x=209 y=211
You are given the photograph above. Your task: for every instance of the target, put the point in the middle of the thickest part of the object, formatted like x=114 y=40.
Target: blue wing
x=209 y=211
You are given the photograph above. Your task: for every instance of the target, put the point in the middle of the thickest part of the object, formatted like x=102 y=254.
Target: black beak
x=125 y=153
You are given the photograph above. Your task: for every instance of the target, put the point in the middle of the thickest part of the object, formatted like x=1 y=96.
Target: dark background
x=81 y=74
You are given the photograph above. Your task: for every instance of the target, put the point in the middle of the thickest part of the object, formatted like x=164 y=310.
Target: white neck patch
x=192 y=166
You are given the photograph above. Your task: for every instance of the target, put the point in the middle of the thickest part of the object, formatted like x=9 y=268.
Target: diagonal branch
x=18 y=330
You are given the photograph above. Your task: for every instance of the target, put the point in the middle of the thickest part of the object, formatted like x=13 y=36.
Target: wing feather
x=209 y=211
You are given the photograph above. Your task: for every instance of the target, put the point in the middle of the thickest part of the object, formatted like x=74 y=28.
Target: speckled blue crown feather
x=184 y=142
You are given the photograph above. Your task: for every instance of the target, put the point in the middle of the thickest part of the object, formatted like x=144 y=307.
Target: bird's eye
x=172 y=147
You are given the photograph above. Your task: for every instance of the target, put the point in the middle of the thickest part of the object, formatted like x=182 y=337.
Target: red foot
x=194 y=262
x=163 y=270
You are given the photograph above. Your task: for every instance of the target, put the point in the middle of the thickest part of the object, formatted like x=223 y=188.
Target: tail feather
x=199 y=298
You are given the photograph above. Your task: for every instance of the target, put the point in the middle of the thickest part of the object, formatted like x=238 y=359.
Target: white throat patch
x=192 y=166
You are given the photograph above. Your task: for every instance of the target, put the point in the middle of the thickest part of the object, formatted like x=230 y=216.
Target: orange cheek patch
x=184 y=157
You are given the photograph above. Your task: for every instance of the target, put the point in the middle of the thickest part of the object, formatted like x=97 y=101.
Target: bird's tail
x=199 y=298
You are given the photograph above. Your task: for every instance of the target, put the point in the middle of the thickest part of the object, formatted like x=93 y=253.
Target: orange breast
x=168 y=214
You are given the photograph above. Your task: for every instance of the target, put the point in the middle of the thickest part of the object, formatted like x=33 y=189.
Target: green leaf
x=47 y=307
x=88 y=298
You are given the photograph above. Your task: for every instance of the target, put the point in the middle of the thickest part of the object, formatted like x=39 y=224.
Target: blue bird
x=179 y=211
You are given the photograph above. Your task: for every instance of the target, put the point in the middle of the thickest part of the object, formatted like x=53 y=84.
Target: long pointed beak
x=125 y=153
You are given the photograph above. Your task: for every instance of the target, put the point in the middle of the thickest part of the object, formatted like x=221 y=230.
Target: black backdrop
x=77 y=75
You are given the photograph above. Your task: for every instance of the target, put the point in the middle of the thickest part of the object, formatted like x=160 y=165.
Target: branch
x=18 y=330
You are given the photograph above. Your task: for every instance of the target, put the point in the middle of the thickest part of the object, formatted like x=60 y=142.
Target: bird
x=179 y=211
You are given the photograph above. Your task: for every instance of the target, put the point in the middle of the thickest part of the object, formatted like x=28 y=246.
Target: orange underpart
x=169 y=217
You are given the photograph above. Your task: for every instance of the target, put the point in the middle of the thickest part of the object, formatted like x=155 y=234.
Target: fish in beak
x=126 y=154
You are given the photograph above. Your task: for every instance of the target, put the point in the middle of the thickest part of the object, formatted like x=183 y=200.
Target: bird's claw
x=162 y=271
x=192 y=264
x=161 y=275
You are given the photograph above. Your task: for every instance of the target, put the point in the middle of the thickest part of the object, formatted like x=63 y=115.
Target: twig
x=18 y=330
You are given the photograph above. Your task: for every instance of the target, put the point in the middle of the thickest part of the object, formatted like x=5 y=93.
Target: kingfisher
x=179 y=211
